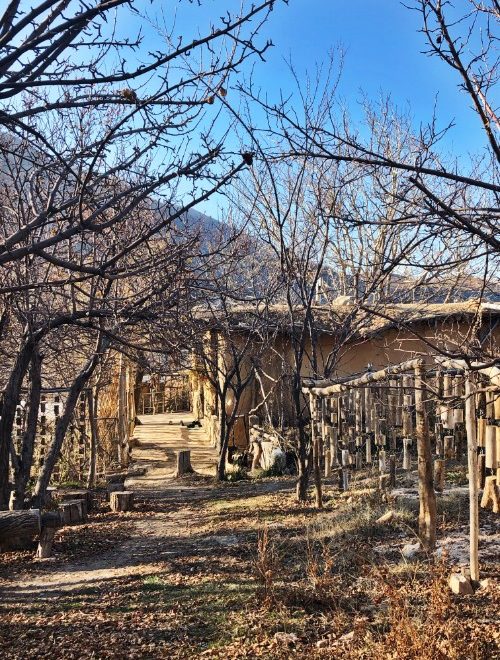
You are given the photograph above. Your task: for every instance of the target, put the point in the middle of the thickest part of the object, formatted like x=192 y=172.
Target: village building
x=345 y=345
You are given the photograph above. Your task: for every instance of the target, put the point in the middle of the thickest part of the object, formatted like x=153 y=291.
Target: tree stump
x=17 y=529
x=73 y=512
x=122 y=501
x=50 y=524
x=78 y=494
x=183 y=463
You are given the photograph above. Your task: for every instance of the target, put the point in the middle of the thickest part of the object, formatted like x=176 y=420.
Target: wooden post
x=335 y=446
x=51 y=521
x=470 y=425
x=449 y=446
x=406 y=453
x=328 y=451
x=392 y=471
x=381 y=461
x=345 y=468
x=481 y=470
x=368 y=448
x=490 y=443
x=427 y=496
x=316 y=451
x=122 y=501
x=439 y=475
x=183 y=463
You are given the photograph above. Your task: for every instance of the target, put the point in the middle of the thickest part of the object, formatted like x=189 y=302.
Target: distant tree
x=104 y=146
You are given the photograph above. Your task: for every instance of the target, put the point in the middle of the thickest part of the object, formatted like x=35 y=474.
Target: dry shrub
x=420 y=618
x=266 y=565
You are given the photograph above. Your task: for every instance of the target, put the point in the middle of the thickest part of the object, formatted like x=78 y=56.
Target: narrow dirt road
x=160 y=436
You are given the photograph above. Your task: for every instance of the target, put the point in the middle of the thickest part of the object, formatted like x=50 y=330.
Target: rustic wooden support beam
x=370 y=377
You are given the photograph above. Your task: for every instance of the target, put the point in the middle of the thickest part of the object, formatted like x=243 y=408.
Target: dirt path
x=160 y=436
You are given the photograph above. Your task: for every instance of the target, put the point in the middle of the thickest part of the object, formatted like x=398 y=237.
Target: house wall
x=388 y=347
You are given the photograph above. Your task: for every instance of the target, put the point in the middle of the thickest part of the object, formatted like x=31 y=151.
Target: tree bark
x=427 y=496
x=62 y=426
x=94 y=436
x=23 y=468
x=10 y=401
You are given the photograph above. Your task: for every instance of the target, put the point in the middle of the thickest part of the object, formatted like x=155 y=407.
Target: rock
x=286 y=638
x=410 y=550
x=322 y=643
x=484 y=584
x=460 y=585
x=386 y=518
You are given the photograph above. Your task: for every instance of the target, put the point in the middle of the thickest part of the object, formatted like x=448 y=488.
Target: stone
x=460 y=585
x=386 y=518
x=410 y=550
x=322 y=643
x=286 y=638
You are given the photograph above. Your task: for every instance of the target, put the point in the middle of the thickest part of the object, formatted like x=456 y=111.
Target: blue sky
x=383 y=54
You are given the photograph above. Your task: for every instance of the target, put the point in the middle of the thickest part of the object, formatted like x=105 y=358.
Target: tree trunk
x=62 y=426
x=10 y=401
x=302 y=453
x=427 y=496
x=224 y=443
x=23 y=469
x=94 y=436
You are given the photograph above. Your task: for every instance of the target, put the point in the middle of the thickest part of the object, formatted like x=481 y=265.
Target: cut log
x=74 y=512
x=123 y=501
x=78 y=494
x=183 y=463
x=18 y=528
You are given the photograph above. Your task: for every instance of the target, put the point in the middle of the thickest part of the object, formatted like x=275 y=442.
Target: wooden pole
x=427 y=496
x=345 y=469
x=392 y=471
x=470 y=425
x=406 y=453
x=439 y=475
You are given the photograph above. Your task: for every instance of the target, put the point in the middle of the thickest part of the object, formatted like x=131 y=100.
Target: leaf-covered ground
x=242 y=571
